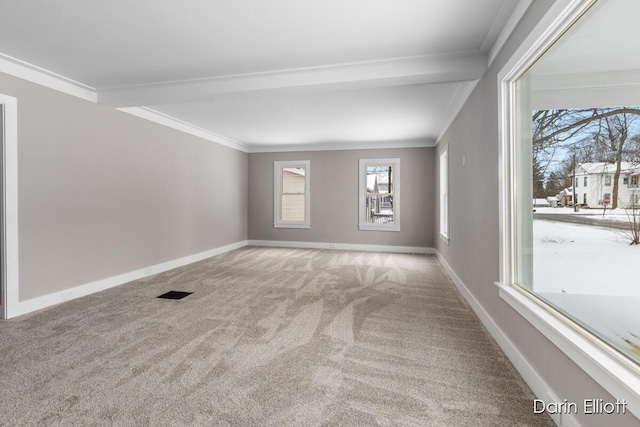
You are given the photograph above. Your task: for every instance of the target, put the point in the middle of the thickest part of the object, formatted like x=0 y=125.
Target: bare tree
x=553 y=126
x=595 y=134
x=632 y=151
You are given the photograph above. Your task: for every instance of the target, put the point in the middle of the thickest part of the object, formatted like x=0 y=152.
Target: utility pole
x=573 y=184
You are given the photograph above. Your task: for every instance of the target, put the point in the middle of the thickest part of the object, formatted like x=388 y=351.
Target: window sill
x=620 y=379
x=290 y=225
x=379 y=227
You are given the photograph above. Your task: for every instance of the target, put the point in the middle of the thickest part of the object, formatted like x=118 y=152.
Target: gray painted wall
x=334 y=197
x=474 y=232
x=103 y=193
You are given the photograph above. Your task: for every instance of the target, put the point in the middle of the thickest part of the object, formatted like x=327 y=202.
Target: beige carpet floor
x=269 y=336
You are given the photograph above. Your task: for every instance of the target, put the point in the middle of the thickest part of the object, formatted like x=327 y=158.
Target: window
x=577 y=182
x=571 y=281
x=444 y=193
x=634 y=181
x=584 y=199
x=625 y=180
x=589 y=293
x=379 y=194
x=585 y=181
x=291 y=194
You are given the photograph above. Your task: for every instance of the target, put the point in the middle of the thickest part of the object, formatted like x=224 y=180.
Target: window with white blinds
x=291 y=194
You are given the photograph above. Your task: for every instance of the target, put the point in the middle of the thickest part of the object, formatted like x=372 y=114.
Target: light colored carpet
x=268 y=337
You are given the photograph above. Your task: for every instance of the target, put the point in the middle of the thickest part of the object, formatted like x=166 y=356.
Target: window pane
x=293 y=180
x=379 y=179
x=379 y=194
x=379 y=209
x=292 y=208
x=578 y=149
x=379 y=200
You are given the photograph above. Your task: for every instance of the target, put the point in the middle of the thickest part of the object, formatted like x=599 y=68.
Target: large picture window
x=578 y=258
x=570 y=125
x=379 y=194
x=291 y=194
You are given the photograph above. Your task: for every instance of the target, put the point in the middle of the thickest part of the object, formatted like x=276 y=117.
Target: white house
x=565 y=197
x=293 y=194
x=379 y=202
x=594 y=183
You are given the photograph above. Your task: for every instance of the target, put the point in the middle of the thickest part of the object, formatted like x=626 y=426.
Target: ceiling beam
x=402 y=71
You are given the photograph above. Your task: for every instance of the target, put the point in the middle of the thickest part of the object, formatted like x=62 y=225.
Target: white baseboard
x=24 y=307
x=539 y=387
x=342 y=246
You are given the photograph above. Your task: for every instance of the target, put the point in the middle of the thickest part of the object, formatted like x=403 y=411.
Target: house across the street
x=594 y=184
x=565 y=197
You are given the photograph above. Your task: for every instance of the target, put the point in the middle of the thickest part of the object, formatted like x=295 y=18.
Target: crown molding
x=398 y=71
x=337 y=146
x=177 y=124
x=34 y=74
x=510 y=25
x=465 y=88
x=456 y=104
x=391 y=72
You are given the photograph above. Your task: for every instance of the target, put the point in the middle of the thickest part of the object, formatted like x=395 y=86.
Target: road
x=582 y=219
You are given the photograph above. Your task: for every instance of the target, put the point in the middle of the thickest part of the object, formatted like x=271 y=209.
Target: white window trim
x=444 y=198
x=616 y=374
x=278 y=165
x=362 y=217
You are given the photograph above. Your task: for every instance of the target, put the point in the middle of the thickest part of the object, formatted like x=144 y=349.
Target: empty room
x=314 y=213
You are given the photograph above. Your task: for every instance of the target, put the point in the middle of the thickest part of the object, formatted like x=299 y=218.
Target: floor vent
x=175 y=295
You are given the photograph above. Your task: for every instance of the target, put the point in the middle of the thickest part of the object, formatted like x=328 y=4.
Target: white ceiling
x=601 y=41
x=595 y=63
x=278 y=73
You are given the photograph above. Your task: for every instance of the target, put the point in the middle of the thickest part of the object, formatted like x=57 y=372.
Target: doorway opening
x=9 y=300
x=2 y=224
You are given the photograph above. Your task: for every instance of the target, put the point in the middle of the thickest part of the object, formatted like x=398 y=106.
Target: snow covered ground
x=593 y=274
x=582 y=259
